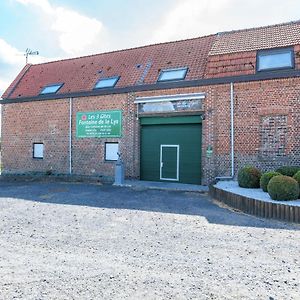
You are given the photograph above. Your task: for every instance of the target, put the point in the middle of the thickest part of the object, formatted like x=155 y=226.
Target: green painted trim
x=171 y=120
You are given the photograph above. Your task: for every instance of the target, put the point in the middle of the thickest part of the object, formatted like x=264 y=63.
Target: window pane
x=174 y=74
x=51 y=89
x=275 y=60
x=38 y=150
x=107 y=82
x=111 y=151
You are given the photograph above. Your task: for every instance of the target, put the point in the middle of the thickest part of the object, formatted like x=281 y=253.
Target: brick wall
x=273 y=136
x=35 y=122
x=47 y=122
x=265 y=123
x=231 y=64
x=267 y=118
x=88 y=153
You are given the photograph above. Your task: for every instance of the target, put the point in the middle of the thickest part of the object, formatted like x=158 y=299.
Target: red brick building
x=185 y=111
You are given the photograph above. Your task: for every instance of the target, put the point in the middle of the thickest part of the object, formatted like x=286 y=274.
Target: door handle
x=161 y=164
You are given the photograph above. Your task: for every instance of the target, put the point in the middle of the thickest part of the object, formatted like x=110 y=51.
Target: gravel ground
x=79 y=241
x=258 y=194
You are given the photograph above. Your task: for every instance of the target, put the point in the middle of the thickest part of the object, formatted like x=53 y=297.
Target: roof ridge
x=126 y=49
x=259 y=27
x=170 y=42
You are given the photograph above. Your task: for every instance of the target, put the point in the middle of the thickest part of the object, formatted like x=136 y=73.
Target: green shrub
x=248 y=177
x=283 y=187
x=297 y=178
x=265 y=178
x=288 y=170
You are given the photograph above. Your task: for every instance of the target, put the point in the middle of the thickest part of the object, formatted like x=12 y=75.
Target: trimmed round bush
x=248 y=177
x=283 y=187
x=265 y=178
x=288 y=170
x=297 y=178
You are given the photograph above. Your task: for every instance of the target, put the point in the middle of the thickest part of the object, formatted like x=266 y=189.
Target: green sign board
x=99 y=124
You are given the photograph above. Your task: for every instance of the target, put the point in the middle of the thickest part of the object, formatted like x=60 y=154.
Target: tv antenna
x=30 y=52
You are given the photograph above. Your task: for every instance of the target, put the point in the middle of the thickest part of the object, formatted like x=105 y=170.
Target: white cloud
x=191 y=18
x=43 y=4
x=4 y=84
x=9 y=54
x=77 y=34
x=12 y=61
x=16 y=58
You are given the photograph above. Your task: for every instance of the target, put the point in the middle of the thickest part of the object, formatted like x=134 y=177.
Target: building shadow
x=106 y=196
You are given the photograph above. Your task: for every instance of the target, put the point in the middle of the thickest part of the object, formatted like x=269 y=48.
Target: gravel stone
x=81 y=241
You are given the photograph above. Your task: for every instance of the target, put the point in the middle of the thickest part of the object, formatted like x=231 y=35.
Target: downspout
x=70 y=135
x=232 y=127
x=231 y=136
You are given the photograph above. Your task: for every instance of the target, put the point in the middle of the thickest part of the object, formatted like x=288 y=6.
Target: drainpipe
x=232 y=127
x=231 y=135
x=70 y=135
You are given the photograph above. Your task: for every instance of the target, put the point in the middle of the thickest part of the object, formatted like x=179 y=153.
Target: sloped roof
x=267 y=37
x=132 y=65
x=14 y=84
x=142 y=65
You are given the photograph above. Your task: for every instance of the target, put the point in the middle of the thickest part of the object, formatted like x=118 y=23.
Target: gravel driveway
x=80 y=241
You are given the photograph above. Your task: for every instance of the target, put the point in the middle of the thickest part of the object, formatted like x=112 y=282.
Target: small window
x=275 y=59
x=51 y=89
x=172 y=74
x=111 y=151
x=107 y=82
x=38 y=150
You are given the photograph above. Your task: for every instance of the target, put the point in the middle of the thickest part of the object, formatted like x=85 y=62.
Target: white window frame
x=111 y=151
x=38 y=150
x=162 y=164
x=52 y=87
x=103 y=83
x=270 y=53
x=165 y=71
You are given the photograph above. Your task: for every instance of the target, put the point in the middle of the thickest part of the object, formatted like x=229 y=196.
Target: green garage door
x=171 y=149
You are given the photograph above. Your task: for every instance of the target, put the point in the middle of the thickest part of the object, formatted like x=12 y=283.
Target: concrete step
x=170 y=186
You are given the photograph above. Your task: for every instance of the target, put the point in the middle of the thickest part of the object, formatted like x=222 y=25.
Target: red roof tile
x=81 y=74
x=267 y=37
x=142 y=65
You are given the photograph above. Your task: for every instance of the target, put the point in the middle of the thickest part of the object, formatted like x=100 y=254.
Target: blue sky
x=69 y=28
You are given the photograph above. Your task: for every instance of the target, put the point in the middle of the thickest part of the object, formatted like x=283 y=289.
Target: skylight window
x=107 y=82
x=172 y=74
x=275 y=59
x=51 y=89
